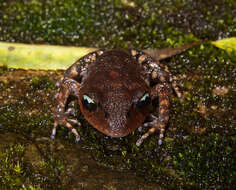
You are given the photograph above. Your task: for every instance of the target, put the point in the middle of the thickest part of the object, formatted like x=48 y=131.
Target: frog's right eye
x=89 y=103
x=144 y=101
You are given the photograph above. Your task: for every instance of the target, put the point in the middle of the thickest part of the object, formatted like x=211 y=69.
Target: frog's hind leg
x=173 y=80
x=159 y=123
x=67 y=87
x=155 y=68
x=159 y=76
x=77 y=70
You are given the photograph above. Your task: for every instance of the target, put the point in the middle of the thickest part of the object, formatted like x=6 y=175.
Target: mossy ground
x=199 y=148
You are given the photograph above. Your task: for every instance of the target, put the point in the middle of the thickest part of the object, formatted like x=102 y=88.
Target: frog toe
x=54 y=130
x=160 y=142
x=77 y=139
x=52 y=136
x=151 y=123
x=154 y=125
x=67 y=123
x=74 y=122
x=70 y=112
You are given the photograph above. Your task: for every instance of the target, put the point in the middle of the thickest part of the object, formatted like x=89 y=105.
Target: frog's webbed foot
x=155 y=125
x=62 y=115
x=67 y=123
x=61 y=118
x=151 y=119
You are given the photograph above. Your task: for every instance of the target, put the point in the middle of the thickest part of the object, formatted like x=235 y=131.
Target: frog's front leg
x=68 y=87
x=158 y=123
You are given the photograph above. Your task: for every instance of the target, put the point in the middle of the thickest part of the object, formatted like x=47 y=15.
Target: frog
x=116 y=92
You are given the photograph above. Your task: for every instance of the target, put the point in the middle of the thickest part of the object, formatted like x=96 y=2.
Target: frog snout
x=117 y=123
x=116 y=117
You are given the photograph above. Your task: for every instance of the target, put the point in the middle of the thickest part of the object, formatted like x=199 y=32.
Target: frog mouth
x=117 y=126
x=117 y=134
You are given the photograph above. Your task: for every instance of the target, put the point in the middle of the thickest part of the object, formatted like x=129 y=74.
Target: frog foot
x=155 y=125
x=151 y=118
x=62 y=120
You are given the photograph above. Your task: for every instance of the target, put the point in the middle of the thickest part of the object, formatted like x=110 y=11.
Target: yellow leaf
x=43 y=57
x=228 y=44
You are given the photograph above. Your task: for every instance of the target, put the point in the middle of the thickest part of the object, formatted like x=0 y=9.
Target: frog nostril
x=106 y=114
x=128 y=114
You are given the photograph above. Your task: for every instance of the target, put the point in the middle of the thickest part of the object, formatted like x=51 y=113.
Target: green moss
x=14 y=171
x=42 y=82
x=114 y=24
x=206 y=161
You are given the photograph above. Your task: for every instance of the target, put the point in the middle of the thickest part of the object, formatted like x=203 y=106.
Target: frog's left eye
x=144 y=101
x=89 y=103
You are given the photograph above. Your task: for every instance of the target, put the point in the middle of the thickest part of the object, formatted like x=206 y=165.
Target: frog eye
x=144 y=101
x=89 y=103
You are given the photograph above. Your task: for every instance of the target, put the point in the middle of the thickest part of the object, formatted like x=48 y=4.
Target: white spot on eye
x=144 y=97
x=89 y=100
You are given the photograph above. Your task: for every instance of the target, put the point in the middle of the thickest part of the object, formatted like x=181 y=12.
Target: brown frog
x=115 y=90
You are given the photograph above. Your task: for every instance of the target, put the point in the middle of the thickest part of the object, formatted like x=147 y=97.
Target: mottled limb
x=76 y=71
x=160 y=122
x=162 y=78
x=174 y=85
x=156 y=69
x=68 y=87
x=165 y=76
